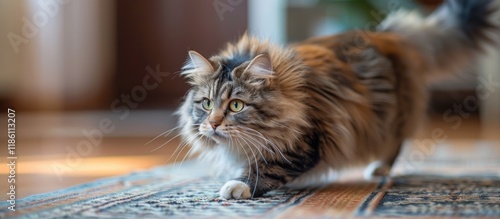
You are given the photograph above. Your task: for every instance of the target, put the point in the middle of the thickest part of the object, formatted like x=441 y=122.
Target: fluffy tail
x=452 y=36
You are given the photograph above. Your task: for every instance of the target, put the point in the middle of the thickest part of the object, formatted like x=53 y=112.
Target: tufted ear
x=260 y=70
x=196 y=65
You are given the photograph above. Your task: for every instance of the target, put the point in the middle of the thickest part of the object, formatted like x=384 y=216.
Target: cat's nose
x=214 y=124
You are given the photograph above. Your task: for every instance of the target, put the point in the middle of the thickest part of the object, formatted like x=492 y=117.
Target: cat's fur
x=328 y=102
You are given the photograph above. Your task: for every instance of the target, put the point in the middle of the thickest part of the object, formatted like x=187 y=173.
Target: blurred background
x=93 y=81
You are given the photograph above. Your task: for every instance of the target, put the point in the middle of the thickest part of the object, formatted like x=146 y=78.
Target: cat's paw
x=376 y=170
x=234 y=189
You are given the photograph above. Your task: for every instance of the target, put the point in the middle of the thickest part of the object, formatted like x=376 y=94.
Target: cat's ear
x=260 y=70
x=196 y=66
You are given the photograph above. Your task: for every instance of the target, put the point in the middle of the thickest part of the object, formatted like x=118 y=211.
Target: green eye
x=236 y=105
x=207 y=104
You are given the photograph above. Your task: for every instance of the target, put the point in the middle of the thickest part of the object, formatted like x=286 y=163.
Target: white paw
x=375 y=170
x=235 y=190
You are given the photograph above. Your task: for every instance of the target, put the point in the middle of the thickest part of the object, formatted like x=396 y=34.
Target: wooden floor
x=58 y=150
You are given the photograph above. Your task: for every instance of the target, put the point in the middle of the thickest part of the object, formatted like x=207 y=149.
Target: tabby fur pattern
x=282 y=115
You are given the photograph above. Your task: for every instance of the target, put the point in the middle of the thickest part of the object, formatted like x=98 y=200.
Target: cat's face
x=249 y=105
x=225 y=109
x=231 y=102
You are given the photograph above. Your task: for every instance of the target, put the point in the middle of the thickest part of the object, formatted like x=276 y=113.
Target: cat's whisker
x=271 y=143
x=171 y=139
x=234 y=145
x=166 y=133
x=231 y=142
x=258 y=134
x=250 y=169
x=274 y=146
x=189 y=151
x=254 y=142
x=260 y=143
x=249 y=135
x=184 y=143
x=256 y=170
x=251 y=142
x=248 y=159
x=185 y=156
x=195 y=139
x=181 y=146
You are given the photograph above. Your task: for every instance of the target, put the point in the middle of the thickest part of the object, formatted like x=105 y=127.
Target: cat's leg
x=262 y=177
x=274 y=171
x=382 y=168
x=376 y=169
x=257 y=180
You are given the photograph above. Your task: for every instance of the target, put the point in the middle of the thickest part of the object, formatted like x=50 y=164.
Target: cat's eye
x=236 y=105
x=207 y=104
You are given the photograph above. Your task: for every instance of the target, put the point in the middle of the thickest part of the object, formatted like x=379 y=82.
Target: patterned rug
x=457 y=187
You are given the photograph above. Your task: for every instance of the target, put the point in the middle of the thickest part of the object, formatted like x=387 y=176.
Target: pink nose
x=214 y=124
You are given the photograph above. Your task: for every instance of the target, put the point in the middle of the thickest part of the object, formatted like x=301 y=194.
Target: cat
x=281 y=114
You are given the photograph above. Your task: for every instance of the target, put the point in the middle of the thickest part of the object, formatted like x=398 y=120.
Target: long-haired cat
x=279 y=114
